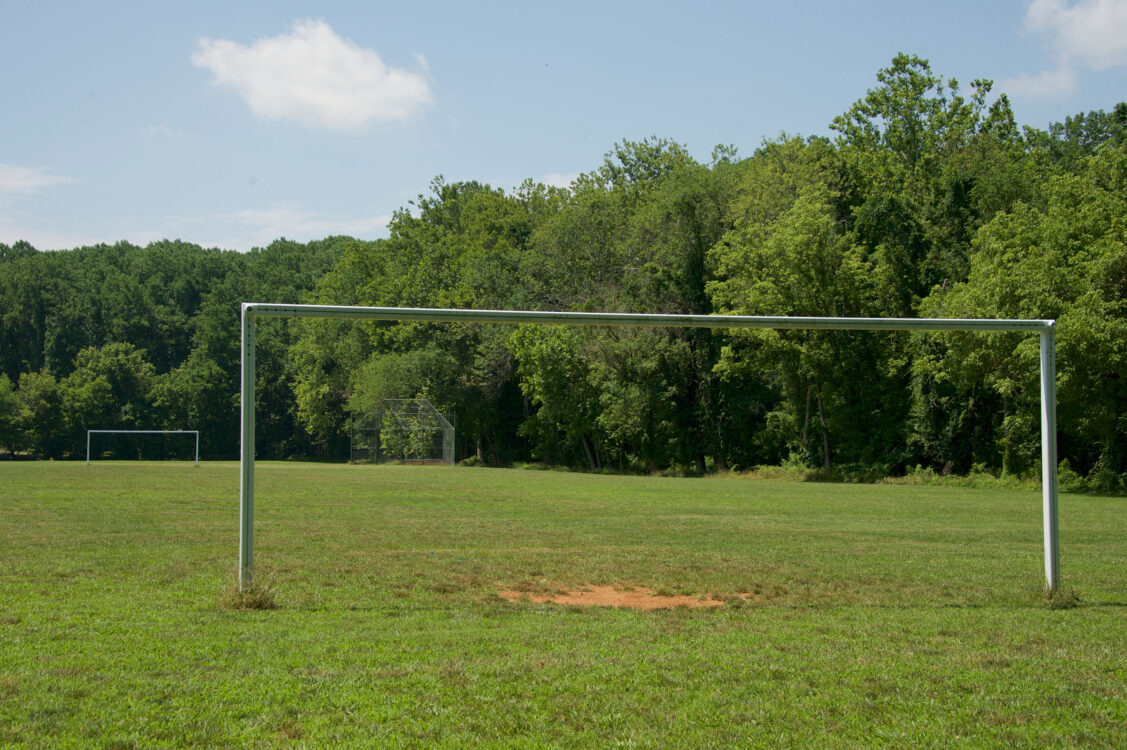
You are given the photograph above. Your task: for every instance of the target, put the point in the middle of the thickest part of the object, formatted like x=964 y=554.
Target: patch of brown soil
x=608 y=596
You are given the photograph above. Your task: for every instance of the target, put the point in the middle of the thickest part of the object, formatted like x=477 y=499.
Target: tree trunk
x=1007 y=452
x=592 y=457
x=494 y=455
x=825 y=430
x=806 y=422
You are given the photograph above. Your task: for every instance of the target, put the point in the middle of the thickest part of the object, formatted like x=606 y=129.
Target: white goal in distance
x=145 y=432
x=1046 y=329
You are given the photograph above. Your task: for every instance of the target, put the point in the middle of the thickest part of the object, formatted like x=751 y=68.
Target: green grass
x=876 y=614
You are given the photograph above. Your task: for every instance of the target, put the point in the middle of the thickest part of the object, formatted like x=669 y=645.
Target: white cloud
x=558 y=180
x=43 y=238
x=237 y=230
x=260 y=227
x=17 y=180
x=1088 y=34
x=292 y=223
x=1049 y=84
x=164 y=131
x=315 y=77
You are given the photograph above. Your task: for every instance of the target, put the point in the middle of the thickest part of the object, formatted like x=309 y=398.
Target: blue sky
x=232 y=124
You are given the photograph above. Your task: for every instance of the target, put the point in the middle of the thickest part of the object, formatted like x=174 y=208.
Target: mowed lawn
x=856 y=615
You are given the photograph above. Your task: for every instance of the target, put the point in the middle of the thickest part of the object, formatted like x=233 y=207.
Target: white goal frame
x=1046 y=329
x=149 y=432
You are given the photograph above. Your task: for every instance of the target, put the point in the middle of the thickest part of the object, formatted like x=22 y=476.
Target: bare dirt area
x=608 y=596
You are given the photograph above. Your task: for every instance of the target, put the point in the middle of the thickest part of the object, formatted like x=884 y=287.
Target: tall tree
x=40 y=416
x=1067 y=261
x=10 y=436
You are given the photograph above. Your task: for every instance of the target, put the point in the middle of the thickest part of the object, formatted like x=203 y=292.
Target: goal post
x=144 y=432
x=1046 y=329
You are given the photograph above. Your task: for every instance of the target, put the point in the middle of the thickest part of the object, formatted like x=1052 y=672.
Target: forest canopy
x=926 y=200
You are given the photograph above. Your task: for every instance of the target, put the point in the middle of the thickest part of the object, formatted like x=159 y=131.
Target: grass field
x=856 y=615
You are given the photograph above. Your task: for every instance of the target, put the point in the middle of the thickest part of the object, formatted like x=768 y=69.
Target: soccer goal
x=403 y=429
x=89 y=433
x=1046 y=329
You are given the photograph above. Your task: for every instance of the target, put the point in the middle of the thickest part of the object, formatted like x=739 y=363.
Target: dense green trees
x=11 y=438
x=119 y=336
x=928 y=200
x=1066 y=260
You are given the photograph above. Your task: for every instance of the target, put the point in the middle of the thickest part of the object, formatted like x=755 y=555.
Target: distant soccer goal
x=90 y=433
x=403 y=429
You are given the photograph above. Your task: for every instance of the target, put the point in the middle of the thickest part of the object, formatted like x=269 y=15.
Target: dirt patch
x=608 y=596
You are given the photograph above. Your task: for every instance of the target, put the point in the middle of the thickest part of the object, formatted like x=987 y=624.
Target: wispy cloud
x=315 y=77
x=242 y=230
x=1085 y=35
x=163 y=131
x=236 y=230
x=292 y=223
x=18 y=180
x=558 y=180
x=43 y=237
x=1048 y=84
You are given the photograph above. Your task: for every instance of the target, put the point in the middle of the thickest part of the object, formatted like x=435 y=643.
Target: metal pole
x=88 y=447
x=447 y=315
x=197 y=448
x=246 y=454
x=1049 y=456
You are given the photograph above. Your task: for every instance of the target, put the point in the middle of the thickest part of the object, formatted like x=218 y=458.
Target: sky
x=233 y=124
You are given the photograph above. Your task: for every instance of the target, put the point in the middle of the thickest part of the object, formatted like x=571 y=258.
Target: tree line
x=124 y=337
x=926 y=201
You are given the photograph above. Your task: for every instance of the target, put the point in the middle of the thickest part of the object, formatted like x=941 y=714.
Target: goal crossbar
x=145 y=432
x=1046 y=329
